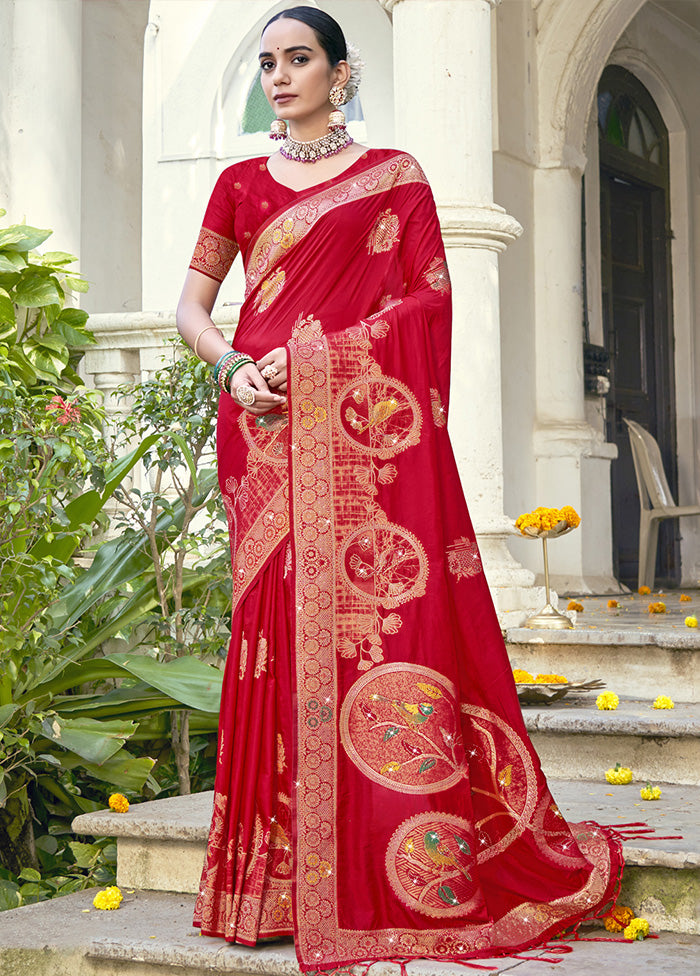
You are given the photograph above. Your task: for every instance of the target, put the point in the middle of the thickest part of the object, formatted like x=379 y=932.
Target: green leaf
x=123 y=771
x=186 y=679
x=91 y=739
x=426 y=765
x=3 y=789
x=6 y=713
x=34 y=291
x=85 y=854
x=7 y=311
x=77 y=284
x=462 y=844
x=11 y=261
x=47 y=357
x=29 y=874
x=390 y=733
x=9 y=895
x=22 y=237
x=446 y=894
x=58 y=257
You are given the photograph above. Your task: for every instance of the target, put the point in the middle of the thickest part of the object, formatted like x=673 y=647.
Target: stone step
x=161 y=844
x=577 y=741
x=151 y=934
x=638 y=662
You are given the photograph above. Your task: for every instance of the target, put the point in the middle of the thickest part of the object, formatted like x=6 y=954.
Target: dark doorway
x=634 y=181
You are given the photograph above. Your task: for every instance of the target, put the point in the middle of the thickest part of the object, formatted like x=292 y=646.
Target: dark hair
x=328 y=31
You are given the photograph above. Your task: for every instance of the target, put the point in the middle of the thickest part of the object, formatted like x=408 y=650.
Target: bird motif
x=441 y=855
x=413 y=713
x=378 y=413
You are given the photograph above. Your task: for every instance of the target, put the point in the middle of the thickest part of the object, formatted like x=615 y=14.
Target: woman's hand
x=265 y=399
x=276 y=359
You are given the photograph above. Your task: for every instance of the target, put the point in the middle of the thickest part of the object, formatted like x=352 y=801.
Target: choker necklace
x=311 y=152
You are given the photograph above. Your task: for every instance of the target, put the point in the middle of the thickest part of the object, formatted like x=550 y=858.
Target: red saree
x=377 y=795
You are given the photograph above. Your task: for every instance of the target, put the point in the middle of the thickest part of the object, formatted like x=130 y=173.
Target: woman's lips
x=281 y=99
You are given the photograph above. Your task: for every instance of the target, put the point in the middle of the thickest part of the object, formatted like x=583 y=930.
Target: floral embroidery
x=260 y=656
x=306 y=329
x=400 y=726
x=213 y=254
x=463 y=558
x=430 y=865
x=438 y=277
x=284 y=235
x=439 y=413
x=379 y=415
x=243 y=658
x=269 y=290
x=385 y=233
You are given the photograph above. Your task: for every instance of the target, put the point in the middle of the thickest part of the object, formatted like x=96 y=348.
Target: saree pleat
x=245 y=890
x=377 y=794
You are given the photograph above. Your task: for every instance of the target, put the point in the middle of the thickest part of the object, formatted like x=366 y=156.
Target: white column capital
x=487 y=227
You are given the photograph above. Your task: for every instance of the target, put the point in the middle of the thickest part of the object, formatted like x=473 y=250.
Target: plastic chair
x=655 y=498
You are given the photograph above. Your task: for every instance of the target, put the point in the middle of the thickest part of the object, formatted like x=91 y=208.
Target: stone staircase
x=161 y=844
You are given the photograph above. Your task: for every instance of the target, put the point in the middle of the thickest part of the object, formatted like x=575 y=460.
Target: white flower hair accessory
x=357 y=65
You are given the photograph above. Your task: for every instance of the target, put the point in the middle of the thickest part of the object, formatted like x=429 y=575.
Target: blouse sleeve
x=216 y=247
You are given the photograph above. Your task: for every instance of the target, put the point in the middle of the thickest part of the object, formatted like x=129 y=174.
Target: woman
x=376 y=794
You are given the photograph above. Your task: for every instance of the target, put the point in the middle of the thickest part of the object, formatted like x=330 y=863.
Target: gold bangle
x=201 y=333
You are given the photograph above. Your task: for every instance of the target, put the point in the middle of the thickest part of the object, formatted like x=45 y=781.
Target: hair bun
x=357 y=66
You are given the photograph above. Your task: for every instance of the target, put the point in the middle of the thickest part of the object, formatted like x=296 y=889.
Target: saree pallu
x=377 y=794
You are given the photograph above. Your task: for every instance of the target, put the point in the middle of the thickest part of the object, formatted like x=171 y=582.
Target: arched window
x=628 y=119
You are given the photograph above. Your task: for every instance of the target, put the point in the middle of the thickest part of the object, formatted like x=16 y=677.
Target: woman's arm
x=195 y=325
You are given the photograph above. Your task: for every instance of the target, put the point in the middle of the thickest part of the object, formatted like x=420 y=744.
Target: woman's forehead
x=285 y=33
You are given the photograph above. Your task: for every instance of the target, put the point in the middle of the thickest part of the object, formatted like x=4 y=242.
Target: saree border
x=291 y=225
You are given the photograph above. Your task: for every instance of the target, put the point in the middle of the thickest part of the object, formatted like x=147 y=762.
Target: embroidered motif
x=501 y=770
x=439 y=415
x=400 y=726
x=213 y=254
x=306 y=329
x=269 y=442
x=384 y=563
x=284 y=235
x=269 y=290
x=438 y=277
x=243 y=658
x=430 y=865
x=260 y=656
x=264 y=252
x=463 y=558
x=379 y=415
x=385 y=233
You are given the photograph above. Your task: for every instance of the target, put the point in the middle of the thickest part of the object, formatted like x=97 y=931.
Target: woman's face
x=295 y=72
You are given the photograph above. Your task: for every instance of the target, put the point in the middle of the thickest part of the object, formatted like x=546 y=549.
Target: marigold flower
x=551 y=679
x=607 y=701
x=66 y=413
x=618 y=919
x=522 y=677
x=108 y=899
x=644 y=591
x=663 y=701
x=619 y=775
x=574 y=605
x=684 y=598
x=571 y=516
x=658 y=607
x=638 y=929
x=650 y=792
x=118 y=802
x=612 y=604
x=691 y=621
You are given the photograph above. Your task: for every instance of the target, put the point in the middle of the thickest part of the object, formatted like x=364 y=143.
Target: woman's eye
x=300 y=59
x=266 y=65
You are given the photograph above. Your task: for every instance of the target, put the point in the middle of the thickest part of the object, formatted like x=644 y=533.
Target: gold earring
x=278 y=129
x=336 y=96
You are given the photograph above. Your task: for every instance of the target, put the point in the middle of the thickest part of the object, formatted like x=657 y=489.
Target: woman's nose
x=279 y=75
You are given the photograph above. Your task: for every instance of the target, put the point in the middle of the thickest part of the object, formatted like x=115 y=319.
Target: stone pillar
x=572 y=458
x=444 y=118
x=44 y=111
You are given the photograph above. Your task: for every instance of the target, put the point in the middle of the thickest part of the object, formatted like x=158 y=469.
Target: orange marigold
x=644 y=590
x=684 y=598
x=571 y=516
x=551 y=679
x=573 y=605
x=612 y=604
x=522 y=677
x=657 y=607
x=118 y=802
x=618 y=919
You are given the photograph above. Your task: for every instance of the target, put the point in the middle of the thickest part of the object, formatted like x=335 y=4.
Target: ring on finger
x=269 y=372
x=245 y=395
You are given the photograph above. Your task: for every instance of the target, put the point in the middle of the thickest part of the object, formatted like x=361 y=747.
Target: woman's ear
x=341 y=74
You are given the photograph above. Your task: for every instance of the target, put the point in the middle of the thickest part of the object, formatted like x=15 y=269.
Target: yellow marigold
x=551 y=679
x=684 y=598
x=607 y=701
x=618 y=919
x=637 y=929
x=650 y=792
x=574 y=605
x=571 y=516
x=118 y=802
x=644 y=590
x=522 y=677
x=658 y=607
x=691 y=621
x=618 y=775
x=612 y=604
x=663 y=701
x=108 y=899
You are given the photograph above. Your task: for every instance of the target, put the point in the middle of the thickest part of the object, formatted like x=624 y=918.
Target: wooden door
x=634 y=301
